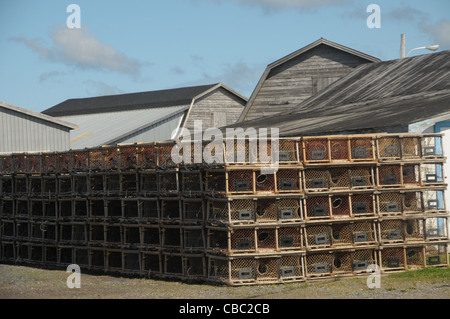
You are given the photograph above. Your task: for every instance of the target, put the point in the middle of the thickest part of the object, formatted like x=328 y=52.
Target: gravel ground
x=30 y=283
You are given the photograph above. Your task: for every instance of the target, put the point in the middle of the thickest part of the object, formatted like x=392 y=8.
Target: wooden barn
x=301 y=74
x=147 y=116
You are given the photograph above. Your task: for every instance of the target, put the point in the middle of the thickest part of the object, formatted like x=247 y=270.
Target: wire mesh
x=317 y=207
x=96 y=259
x=128 y=184
x=316 y=150
x=289 y=209
x=436 y=228
x=112 y=183
x=316 y=179
x=151 y=263
x=218 y=269
x=392 y=231
x=113 y=260
x=215 y=181
x=110 y=158
x=342 y=262
x=131 y=235
x=7 y=208
x=318 y=264
x=49 y=163
x=433 y=200
x=35 y=186
x=19 y=163
x=390 y=203
x=165 y=155
x=318 y=236
x=389 y=147
x=194 y=267
x=193 y=210
x=392 y=258
x=361 y=177
x=240 y=181
x=243 y=269
x=288 y=180
x=130 y=209
x=436 y=255
x=191 y=183
x=113 y=235
x=265 y=183
x=412 y=202
x=146 y=156
x=6 y=163
x=149 y=209
x=291 y=266
x=362 y=148
x=148 y=183
x=362 y=204
x=194 y=238
x=168 y=182
x=151 y=236
x=266 y=239
x=171 y=209
x=410 y=147
x=362 y=259
x=266 y=210
x=217 y=211
x=173 y=265
x=339 y=149
x=127 y=157
x=363 y=233
x=20 y=185
x=341 y=235
x=81 y=256
x=389 y=175
x=64 y=161
x=171 y=237
x=79 y=160
x=217 y=240
x=339 y=178
x=289 y=238
x=243 y=240
x=414 y=230
x=80 y=184
x=411 y=175
x=432 y=174
x=267 y=269
x=431 y=146
x=340 y=206
x=414 y=257
x=96 y=234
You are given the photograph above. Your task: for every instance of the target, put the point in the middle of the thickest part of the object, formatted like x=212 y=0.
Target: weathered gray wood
x=297 y=79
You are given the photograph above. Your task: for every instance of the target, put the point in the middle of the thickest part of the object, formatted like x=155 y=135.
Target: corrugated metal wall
x=23 y=133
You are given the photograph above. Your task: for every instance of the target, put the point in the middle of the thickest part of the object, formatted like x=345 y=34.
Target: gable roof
x=374 y=95
x=127 y=102
x=294 y=55
x=37 y=115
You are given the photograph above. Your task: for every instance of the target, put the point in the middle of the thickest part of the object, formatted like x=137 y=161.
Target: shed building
x=148 y=116
x=23 y=130
x=301 y=74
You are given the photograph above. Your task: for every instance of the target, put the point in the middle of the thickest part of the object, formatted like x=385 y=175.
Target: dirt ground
x=19 y=282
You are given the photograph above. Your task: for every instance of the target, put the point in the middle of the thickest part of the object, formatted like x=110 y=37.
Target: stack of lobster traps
x=239 y=211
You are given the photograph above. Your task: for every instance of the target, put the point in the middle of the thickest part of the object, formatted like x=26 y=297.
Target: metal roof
x=106 y=128
x=127 y=102
x=37 y=115
x=374 y=95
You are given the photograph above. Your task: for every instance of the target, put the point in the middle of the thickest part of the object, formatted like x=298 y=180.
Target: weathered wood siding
x=217 y=108
x=297 y=79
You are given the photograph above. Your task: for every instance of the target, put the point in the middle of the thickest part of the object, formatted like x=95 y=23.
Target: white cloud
x=99 y=88
x=80 y=48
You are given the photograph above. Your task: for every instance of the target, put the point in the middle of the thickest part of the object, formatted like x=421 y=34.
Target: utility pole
x=402 y=46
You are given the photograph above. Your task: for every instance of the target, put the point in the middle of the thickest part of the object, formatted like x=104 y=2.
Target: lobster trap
x=151 y=236
x=191 y=183
x=164 y=155
x=131 y=235
x=19 y=162
x=149 y=209
x=194 y=238
x=194 y=267
x=168 y=182
x=127 y=157
x=436 y=255
x=110 y=158
x=7 y=208
x=392 y=258
x=436 y=228
x=432 y=174
x=6 y=164
x=193 y=210
x=80 y=160
x=49 y=163
x=64 y=161
x=433 y=201
x=148 y=183
x=146 y=156
x=171 y=237
x=398 y=147
x=432 y=146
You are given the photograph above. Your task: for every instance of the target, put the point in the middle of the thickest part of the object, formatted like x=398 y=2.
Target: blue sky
x=136 y=45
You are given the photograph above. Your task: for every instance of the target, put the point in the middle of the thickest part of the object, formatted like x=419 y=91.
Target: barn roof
x=374 y=95
x=128 y=102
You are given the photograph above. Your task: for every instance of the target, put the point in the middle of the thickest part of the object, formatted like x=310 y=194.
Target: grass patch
x=424 y=274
